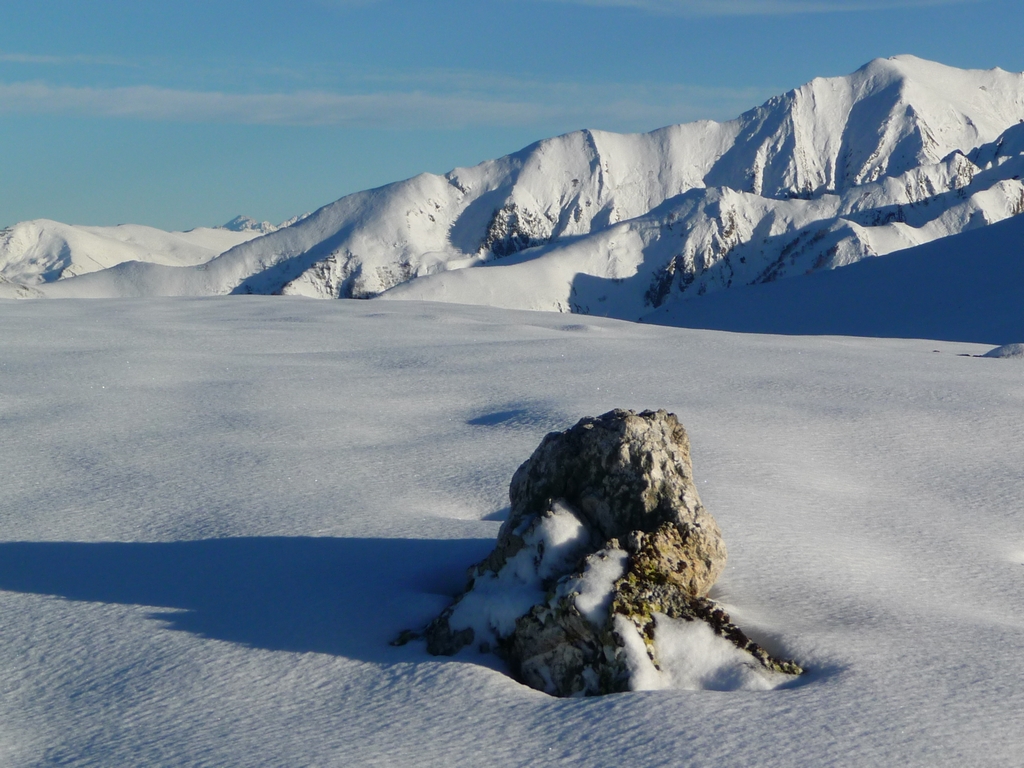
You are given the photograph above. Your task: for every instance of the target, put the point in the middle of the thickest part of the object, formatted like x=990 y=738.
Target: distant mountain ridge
x=43 y=251
x=249 y=224
x=901 y=152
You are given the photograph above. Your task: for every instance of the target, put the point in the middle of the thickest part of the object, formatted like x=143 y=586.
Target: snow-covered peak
x=248 y=224
x=886 y=118
x=292 y=220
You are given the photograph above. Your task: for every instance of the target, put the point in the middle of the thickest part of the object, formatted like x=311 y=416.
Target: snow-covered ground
x=217 y=512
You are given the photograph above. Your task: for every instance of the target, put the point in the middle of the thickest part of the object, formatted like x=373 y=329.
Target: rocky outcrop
x=513 y=229
x=607 y=542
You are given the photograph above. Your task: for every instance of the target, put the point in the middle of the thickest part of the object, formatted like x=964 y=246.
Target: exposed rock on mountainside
x=607 y=552
x=512 y=230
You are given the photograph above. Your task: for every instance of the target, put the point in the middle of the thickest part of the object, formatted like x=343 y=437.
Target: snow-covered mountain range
x=899 y=153
x=43 y=251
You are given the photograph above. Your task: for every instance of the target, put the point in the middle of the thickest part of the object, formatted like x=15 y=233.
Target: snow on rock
x=547 y=546
x=607 y=554
x=12 y=290
x=712 y=239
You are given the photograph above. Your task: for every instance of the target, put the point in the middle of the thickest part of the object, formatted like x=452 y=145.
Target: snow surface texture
x=901 y=152
x=217 y=513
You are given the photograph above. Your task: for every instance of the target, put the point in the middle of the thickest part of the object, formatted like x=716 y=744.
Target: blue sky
x=187 y=113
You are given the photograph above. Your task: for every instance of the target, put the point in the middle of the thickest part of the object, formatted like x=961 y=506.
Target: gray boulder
x=623 y=472
x=607 y=540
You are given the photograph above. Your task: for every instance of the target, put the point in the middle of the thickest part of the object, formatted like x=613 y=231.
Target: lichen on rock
x=607 y=551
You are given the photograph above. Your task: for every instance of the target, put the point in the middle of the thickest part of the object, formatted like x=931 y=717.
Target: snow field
x=217 y=512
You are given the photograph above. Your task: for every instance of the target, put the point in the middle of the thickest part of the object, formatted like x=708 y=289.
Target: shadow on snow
x=346 y=597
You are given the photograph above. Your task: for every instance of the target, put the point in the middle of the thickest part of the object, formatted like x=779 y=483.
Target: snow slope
x=708 y=240
x=40 y=251
x=901 y=152
x=217 y=513
x=966 y=287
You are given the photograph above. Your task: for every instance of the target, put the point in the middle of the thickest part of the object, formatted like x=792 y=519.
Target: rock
x=558 y=650
x=607 y=541
x=623 y=472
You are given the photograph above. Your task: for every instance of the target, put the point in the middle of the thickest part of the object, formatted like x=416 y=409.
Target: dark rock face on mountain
x=606 y=543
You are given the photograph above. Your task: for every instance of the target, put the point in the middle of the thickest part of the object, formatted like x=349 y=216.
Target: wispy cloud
x=302 y=108
x=761 y=7
x=421 y=104
x=343 y=3
x=31 y=58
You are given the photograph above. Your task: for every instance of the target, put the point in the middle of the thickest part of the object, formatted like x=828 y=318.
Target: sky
x=188 y=113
